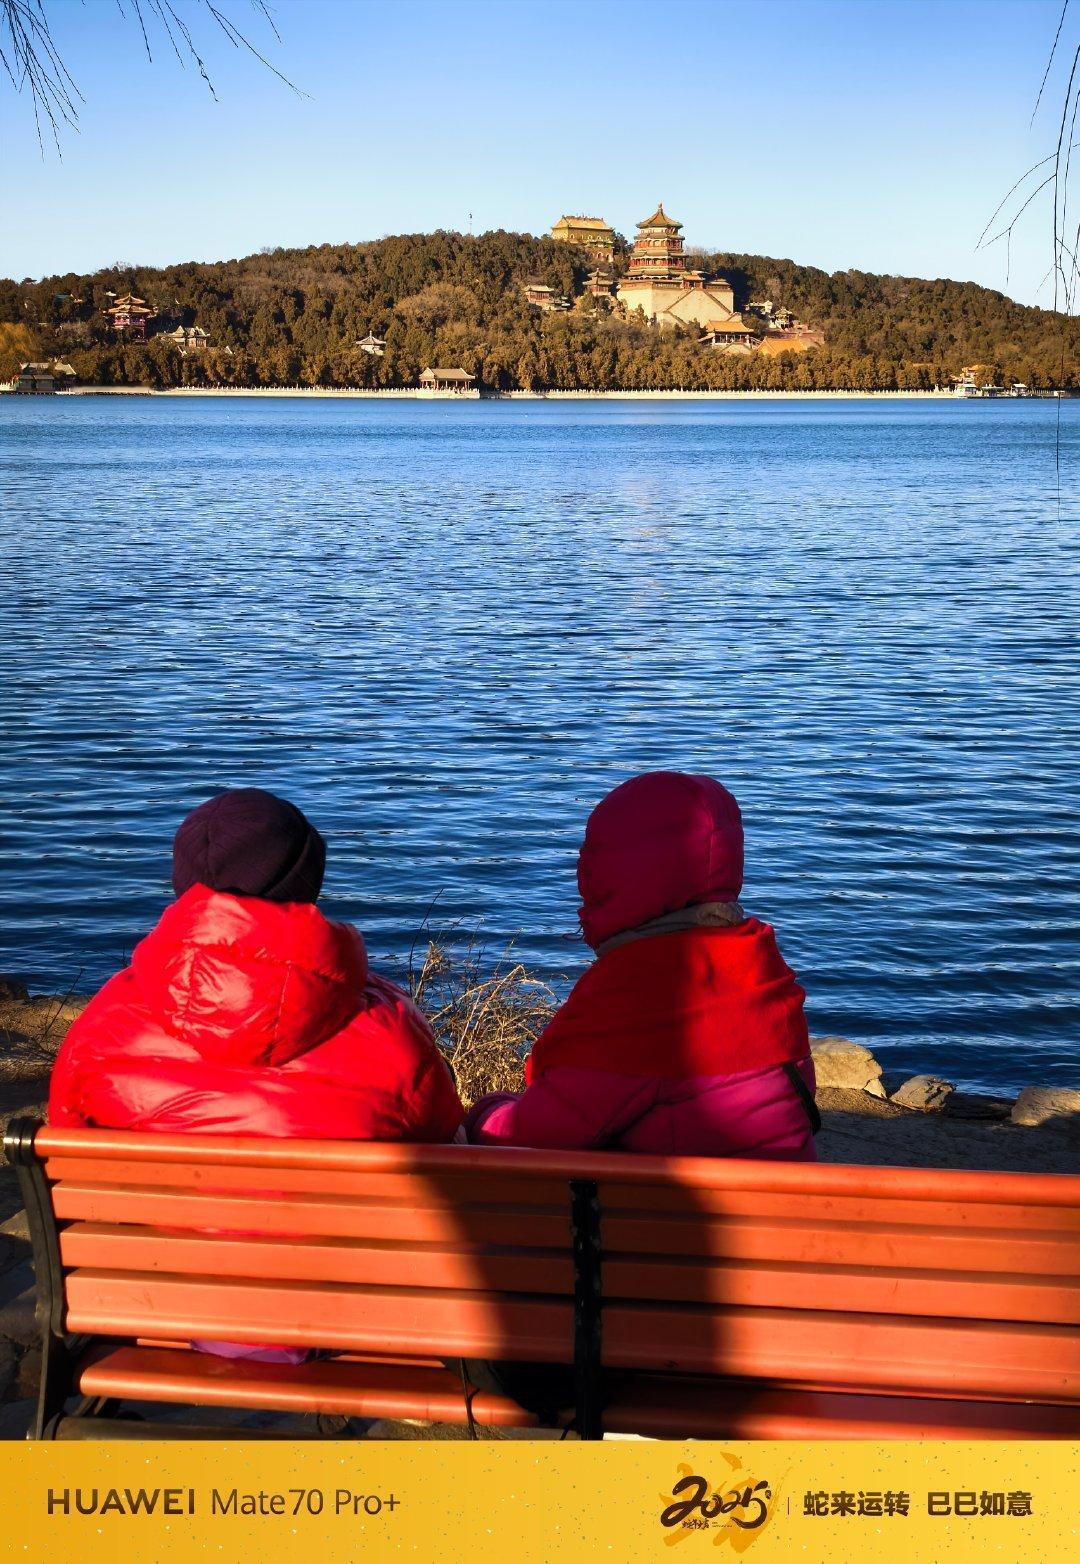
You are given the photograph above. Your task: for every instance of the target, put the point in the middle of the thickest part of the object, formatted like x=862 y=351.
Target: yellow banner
x=534 y=1502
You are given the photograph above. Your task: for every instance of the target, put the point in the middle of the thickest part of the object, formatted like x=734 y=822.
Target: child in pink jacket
x=687 y=1035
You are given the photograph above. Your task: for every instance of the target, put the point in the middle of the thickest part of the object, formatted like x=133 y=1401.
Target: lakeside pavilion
x=455 y=380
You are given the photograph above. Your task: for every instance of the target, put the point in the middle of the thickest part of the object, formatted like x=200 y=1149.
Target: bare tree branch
x=1064 y=268
x=32 y=62
x=1050 y=61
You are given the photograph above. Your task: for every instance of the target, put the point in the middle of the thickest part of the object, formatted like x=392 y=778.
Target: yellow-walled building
x=588 y=233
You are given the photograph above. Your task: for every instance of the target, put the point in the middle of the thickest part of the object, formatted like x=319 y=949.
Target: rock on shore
x=1055 y=1105
x=923 y=1121
x=847 y=1065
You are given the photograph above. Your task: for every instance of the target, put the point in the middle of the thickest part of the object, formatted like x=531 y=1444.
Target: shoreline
x=407 y=394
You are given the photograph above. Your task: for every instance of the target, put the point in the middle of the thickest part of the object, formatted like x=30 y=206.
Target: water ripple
x=446 y=630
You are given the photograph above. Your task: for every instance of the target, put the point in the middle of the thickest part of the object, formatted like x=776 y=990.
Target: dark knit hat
x=252 y=844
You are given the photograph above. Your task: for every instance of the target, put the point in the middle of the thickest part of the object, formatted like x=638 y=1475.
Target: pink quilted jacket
x=754 y=1114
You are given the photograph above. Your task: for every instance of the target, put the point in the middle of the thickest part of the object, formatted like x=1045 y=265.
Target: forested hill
x=295 y=316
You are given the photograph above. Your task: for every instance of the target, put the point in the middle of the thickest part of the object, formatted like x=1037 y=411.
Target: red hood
x=657 y=843
x=246 y=981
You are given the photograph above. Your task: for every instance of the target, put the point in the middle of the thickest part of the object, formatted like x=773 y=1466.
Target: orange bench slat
x=890 y=1290
x=388 y=1319
x=665 y=1408
x=378 y=1390
x=855 y=1210
x=617 y=1168
x=811 y=1241
x=439 y=1187
x=359 y=1262
x=657 y=1406
x=329 y=1217
x=982 y=1359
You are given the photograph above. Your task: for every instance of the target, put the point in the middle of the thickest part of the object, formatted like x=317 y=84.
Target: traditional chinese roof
x=130 y=304
x=584 y=222
x=458 y=375
x=736 y=326
x=660 y=219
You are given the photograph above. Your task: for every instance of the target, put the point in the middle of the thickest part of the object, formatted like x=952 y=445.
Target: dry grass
x=485 y=1019
x=31 y=1030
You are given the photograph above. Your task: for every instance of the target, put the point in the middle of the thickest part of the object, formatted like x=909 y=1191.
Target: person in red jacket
x=685 y=1037
x=247 y=1012
x=687 y=1034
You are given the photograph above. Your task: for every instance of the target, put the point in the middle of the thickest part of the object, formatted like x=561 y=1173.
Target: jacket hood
x=659 y=842
x=246 y=981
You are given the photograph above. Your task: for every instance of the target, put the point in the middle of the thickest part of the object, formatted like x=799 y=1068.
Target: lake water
x=446 y=629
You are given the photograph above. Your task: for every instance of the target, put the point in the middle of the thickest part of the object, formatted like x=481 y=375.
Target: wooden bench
x=693 y=1297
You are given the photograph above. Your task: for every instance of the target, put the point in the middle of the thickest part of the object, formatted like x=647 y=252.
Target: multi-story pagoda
x=658 y=249
x=660 y=284
x=128 y=316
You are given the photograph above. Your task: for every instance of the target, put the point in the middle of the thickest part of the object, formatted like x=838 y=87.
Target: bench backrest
x=961 y=1284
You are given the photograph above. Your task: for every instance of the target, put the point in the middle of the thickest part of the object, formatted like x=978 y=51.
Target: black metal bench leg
x=588 y=1307
x=57 y=1360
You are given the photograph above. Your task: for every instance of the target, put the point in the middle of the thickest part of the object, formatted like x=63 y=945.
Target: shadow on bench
x=693 y=1297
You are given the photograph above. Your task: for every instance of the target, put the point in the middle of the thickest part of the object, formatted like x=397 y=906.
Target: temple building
x=35 y=380
x=659 y=283
x=543 y=297
x=189 y=339
x=730 y=336
x=128 y=316
x=600 y=283
x=588 y=233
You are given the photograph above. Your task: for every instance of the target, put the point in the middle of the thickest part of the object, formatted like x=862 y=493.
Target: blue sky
x=877 y=134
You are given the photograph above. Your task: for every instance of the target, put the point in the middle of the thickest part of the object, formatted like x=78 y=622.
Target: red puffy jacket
x=246 y=1017
x=687 y=1039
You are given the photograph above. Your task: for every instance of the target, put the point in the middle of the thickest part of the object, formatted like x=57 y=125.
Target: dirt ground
x=870 y=1130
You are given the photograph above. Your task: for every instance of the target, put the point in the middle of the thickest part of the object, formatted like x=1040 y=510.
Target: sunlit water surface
x=446 y=629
